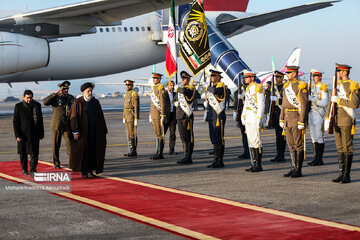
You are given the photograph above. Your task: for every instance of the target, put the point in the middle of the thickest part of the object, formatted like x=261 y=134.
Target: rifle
x=308 y=107
x=333 y=106
x=270 y=115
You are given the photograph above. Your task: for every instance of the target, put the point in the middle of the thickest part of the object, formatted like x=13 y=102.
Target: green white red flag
x=171 y=65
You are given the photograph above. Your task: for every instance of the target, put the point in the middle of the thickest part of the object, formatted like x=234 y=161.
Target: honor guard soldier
x=251 y=117
x=239 y=96
x=346 y=99
x=215 y=95
x=131 y=116
x=292 y=118
x=318 y=98
x=159 y=113
x=61 y=102
x=280 y=140
x=185 y=118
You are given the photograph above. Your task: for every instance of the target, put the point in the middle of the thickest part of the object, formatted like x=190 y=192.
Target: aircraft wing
x=230 y=26
x=83 y=15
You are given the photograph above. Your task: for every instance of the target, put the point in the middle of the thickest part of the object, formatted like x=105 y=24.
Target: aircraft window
x=131 y=29
x=125 y=29
x=137 y=29
x=149 y=29
x=119 y=29
x=107 y=29
x=143 y=29
x=101 y=30
x=113 y=29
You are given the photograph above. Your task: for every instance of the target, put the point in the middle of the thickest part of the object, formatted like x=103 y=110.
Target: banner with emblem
x=194 y=49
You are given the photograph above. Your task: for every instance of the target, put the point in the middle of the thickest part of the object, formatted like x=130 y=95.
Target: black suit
x=28 y=125
x=171 y=122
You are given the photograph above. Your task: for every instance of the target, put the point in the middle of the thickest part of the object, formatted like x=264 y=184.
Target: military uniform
x=131 y=117
x=185 y=118
x=319 y=100
x=347 y=100
x=215 y=97
x=280 y=139
x=292 y=118
x=61 y=104
x=239 y=105
x=159 y=113
x=251 y=117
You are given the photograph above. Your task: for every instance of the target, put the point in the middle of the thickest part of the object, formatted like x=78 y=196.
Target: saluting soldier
x=159 y=114
x=346 y=99
x=131 y=116
x=280 y=140
x=185 y=118
x=239 y=105
x=61 y=102
x=318 y=96
x=292 y=118
x=251 y=117
x=215 y=95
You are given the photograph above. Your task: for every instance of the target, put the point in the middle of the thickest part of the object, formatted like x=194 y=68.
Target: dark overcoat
x=78 y=122
x=28 y=125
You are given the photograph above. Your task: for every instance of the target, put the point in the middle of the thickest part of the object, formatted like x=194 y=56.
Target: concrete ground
x=39 y=215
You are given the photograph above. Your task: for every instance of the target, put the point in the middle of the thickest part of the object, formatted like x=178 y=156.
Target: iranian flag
x=171 y=66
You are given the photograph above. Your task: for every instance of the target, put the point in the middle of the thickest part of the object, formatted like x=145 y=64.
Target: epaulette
x=259 y=88
x=286 y=84
x=220 y=84
x=324 y=87
x=160 y=86
x=191 y=87
x=302 y=85
x=354 y=86
x=134 y=94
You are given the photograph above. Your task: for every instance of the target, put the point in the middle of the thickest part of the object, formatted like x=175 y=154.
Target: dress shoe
x=32 y=173
x=25 y=172
x=92 y=174
x=57 y=167
x=84 y=175
x=172 y=153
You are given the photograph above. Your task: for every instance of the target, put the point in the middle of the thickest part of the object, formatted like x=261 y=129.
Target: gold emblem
x=194 y=30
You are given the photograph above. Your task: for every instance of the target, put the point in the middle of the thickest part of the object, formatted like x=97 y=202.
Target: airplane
x=102 y=37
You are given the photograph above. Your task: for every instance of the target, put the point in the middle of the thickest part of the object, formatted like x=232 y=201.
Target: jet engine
x=21 y=52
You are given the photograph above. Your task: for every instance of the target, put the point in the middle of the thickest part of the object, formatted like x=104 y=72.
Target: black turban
x=86 y=86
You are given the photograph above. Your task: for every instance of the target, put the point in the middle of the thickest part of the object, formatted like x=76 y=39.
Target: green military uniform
x=185 y=118
x=292 y=118
x=347 y=100
x=61 y=104
x=159 y=113
x=130 y=116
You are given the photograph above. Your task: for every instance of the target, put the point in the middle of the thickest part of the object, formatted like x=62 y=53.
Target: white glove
x=334 y=98
x=234 y=115
x=301 y=127
x=136 y=122
x=312 y=98
x=176 y=104
x=205 y=104
x=240 y=96
x=150 y=120
x=123 y=120
x=273 y=98
x=326 y=124
x=243 y=120
x=282 y=124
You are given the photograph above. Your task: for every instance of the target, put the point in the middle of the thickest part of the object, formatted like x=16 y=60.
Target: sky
x=326 y=37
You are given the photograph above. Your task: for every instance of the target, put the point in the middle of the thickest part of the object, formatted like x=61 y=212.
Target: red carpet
x=189 y=214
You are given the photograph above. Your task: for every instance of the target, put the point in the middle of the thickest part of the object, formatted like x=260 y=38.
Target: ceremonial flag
x=171 y=66
x=195 y=50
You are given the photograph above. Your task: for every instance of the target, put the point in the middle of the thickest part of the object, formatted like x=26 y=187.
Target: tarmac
x=40 y=215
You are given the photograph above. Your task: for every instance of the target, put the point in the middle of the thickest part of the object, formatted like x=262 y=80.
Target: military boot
x=157 y=146
x=253 y=156
x=293 y=156
x=132 y=148
x=257 y=164
x=299 y=162
x=216 y=147
x=246 y=154
x=185 y=148
x=316 y=151
x=220 y=163
x=348 y=162
x=161 y=149
x=320 y=154
x=341 y=160
x=187 y=159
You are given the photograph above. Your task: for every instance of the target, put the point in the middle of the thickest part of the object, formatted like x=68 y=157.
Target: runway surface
x=37 y=214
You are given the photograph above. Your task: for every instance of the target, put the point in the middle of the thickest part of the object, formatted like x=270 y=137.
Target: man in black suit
x=171 y=123
x=28 y=129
